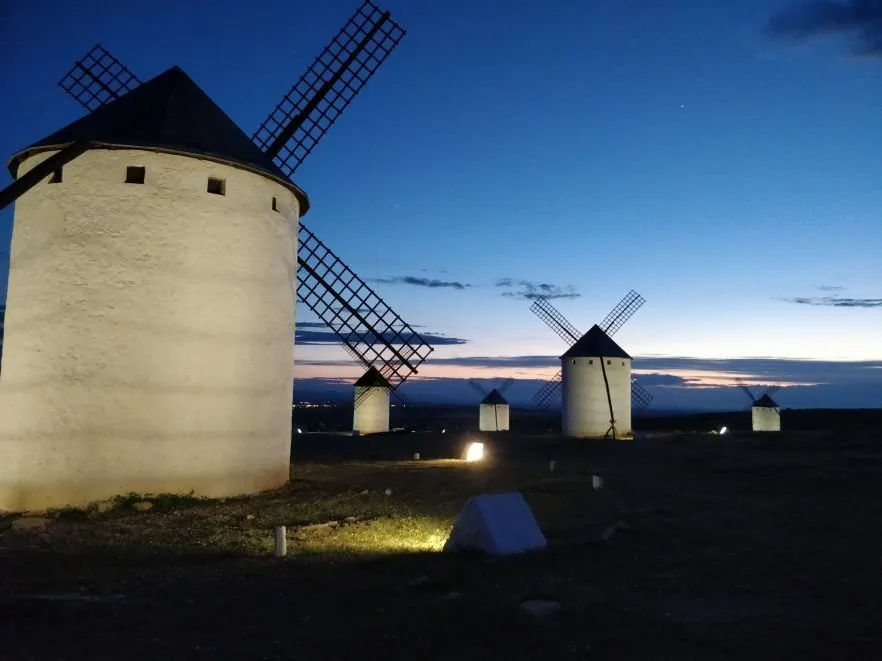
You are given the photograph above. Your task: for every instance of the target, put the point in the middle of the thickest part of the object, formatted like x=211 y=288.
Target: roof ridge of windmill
x=595 y=342
x=765 y=401
x=494 y=397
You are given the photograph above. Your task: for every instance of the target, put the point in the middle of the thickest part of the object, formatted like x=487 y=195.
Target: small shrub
x=162 y=502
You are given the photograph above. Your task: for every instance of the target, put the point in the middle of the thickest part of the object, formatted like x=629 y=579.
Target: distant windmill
x=132 y=218
x=598 y=389
x=370 y=414
x=493 y=413
x=765 y=412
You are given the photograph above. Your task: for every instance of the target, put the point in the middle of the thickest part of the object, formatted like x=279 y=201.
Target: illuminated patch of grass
x=347 y=510
x=411 y=534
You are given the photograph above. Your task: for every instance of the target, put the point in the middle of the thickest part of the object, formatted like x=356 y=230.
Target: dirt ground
x=698 y=547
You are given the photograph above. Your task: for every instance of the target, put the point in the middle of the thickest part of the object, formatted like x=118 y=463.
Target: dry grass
x=735 y=549
x=339 y=509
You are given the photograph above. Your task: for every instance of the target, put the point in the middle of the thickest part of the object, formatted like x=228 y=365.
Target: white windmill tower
x=493 y=411
x=370 y=413
x=150 y=306
x=155 y=253
x=765 y=414
x=598 y=388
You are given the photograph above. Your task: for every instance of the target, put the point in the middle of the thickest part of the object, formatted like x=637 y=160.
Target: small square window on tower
x=135 y=174
x=56 y=177
x=590 y=361
x=217 y=186
x=275 y=205
x=609 y=362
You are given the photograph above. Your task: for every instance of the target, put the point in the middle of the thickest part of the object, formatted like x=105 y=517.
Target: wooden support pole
x=34 y=176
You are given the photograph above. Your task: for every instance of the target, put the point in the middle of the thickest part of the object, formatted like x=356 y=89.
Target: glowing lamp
x=475 y=452
x=724 y=430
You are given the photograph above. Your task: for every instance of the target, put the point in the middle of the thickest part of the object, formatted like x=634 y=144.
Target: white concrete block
x=497 y=524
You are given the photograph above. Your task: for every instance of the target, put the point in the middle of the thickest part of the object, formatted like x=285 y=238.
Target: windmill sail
x=332 y=81
x=543 y=309
x=481 y=390
x=548 y=391
x=98 y=78
x=746 y=390
x=621 y=313
x=365 y=324
x=640 y=396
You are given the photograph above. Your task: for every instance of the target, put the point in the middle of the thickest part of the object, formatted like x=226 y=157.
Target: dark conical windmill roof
x=596 y=343
x=168 y=113
x=372 y=379
x=494 y=398
x=766 y=402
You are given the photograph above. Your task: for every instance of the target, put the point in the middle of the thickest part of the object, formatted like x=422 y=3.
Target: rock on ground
x=540 y=608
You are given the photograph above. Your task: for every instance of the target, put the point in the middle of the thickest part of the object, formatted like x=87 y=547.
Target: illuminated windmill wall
x=597 y=386
x=149 y=333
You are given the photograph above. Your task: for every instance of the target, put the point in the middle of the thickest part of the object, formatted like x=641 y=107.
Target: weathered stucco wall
x=149 y=333
x=766 y=418
x=585 y=410
x=493 y=417
x=371 y=415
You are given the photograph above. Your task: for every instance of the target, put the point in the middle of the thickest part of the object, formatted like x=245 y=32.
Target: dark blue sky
x=674 y=147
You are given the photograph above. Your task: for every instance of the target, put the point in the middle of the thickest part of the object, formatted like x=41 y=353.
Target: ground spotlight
x=475 y=452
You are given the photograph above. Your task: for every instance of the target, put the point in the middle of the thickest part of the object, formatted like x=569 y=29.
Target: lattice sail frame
x=621 y=313
x=640 y=396
x=749 y=392
x=501 y=388
x=481 y=390
x=97 y=79
x=746 y=390
x=505 y=385
x=611 y=324
x=332 y=81
x=288 y=135
x=397 y=394
x=548 y=391
x=358 y=314
x=543 y=309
